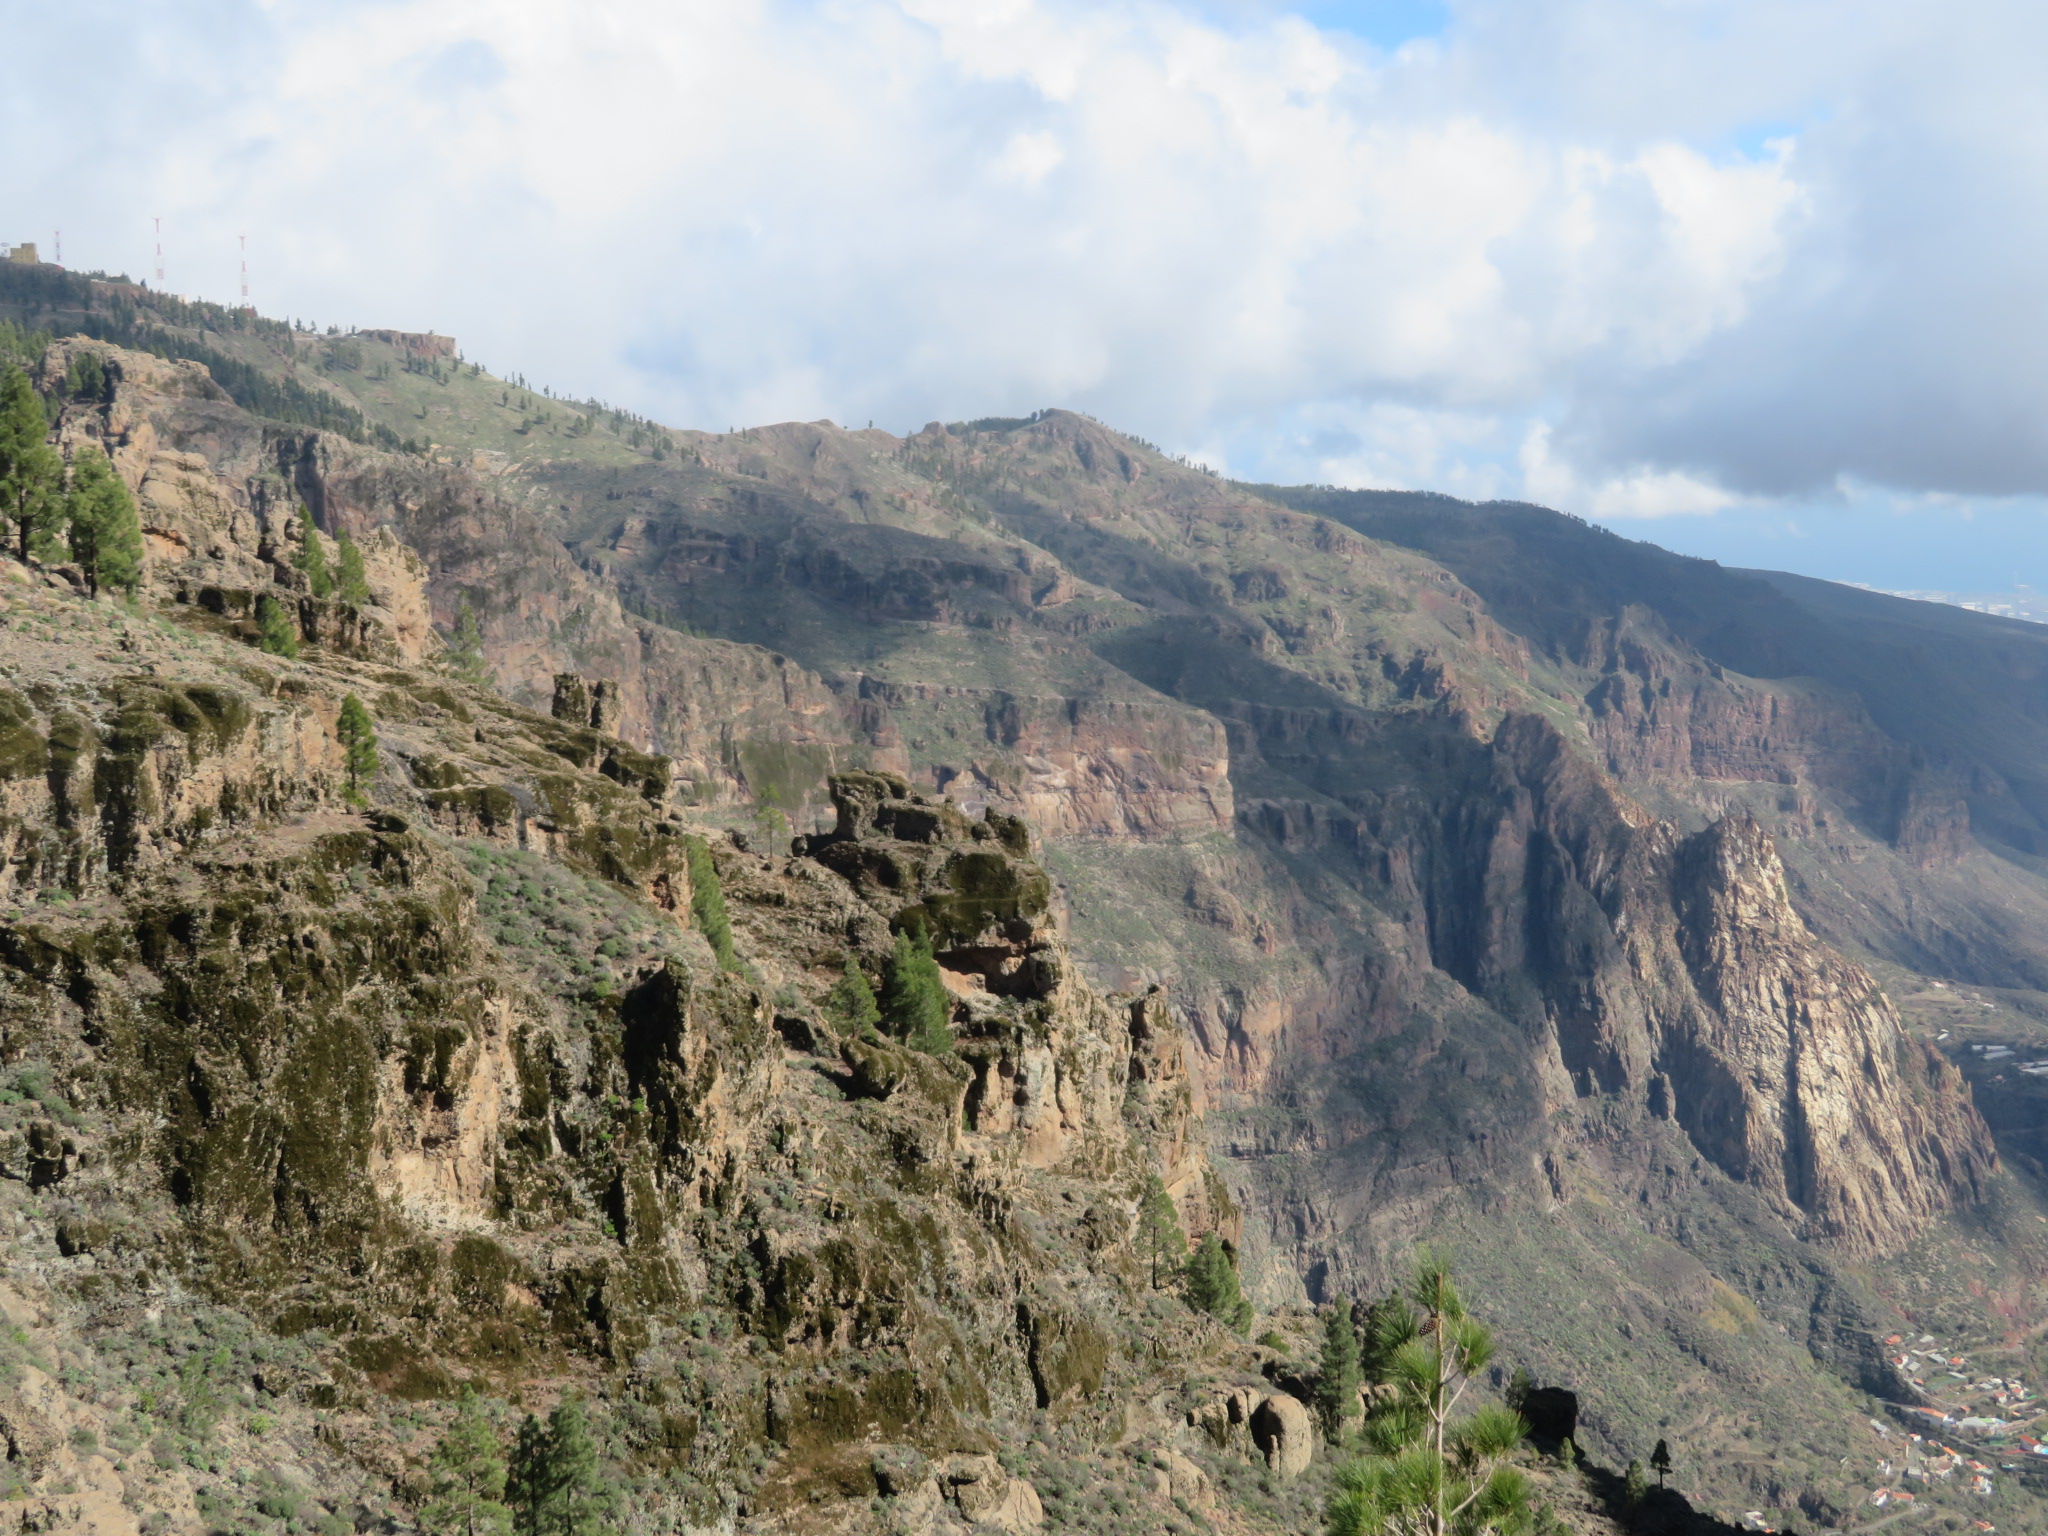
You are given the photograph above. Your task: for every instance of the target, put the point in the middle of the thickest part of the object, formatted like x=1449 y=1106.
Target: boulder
x=988 y=1496
x=1552 y=1414
x=1283 y=1428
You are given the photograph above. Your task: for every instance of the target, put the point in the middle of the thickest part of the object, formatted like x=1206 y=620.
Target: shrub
x=276 y=634
x=851 y=1002
x=914 y=1002
x=1212 y=1285
x=707 y=904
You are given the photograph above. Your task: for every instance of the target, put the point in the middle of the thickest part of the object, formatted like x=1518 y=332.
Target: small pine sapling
x=1432 y=1468
x=312 y=558
x=276 y=633
x=358 y=746
x=352 y=582
x=850 y=1005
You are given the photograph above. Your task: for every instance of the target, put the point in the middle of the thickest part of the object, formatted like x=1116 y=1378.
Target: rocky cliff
x=1484 y=875
x=449 y=1087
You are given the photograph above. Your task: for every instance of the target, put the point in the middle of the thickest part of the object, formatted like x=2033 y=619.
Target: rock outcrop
x=1672 y=973
x=454 y=1079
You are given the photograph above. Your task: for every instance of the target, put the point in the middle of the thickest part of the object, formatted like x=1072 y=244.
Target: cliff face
x=450 y=1085
x=1793 y=1072
x=1674 y=971
x=1664 y=973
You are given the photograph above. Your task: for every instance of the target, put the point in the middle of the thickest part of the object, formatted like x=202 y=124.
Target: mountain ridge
x=1356 y=805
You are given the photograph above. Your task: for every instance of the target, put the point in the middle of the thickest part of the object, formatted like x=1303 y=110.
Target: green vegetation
x=466 y=646
x=1338 y=1376
x=575 y=932
x=358 y=736
x=1211 y=1285
x=352 y=583
x=556 y=1483
x=915 y=1004
x=30 y=470
x=1660 y=1462
x=178 y=329
x=106 y=533
x=468 y=1468
x=276 y=634
x=707 y=904
x=311 y=558
x=1161 y=1242
x=1432 y=1471
x=86 y=380
x=21 y=346
x=851 y=1003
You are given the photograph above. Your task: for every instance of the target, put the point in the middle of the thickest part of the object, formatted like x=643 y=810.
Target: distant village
x=1993 y=1412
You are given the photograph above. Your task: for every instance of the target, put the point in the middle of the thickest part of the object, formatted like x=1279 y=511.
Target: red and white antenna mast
x=245 y=271
x=159 y=223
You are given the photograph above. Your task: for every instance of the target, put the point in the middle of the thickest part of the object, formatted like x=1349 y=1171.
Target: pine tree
x=582 y=1500
x=1336 y=1396
x=1160 y=1238
x=468 y=1468
x=1432 y=1471
x=106 y=534
x=1660 y=1462
x=1212 y=1287
x=466 y=647
x=1633 y=1484
x=1384 y=1328
x=1520 y=1385
x=86 y=377
x=31 y=473
x=275 y=631
x=352 y=583
x=358 y=739
x=851 y=1003
x=312 y=558
x=528 y=1481
x=915 y=1003
x=707 y=903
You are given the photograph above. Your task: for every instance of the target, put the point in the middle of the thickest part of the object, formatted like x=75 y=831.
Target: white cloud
x=1316 y=255
x=1616 y=497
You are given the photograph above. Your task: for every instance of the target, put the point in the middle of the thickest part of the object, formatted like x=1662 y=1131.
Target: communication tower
x=57 y=244
x=159 y=223
x=245 y=270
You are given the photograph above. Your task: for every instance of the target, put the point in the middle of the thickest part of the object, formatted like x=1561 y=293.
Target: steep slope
x=1472 y=904
x=316 y=1110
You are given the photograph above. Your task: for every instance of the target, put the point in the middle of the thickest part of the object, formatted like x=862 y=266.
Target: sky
x=1763 y=280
